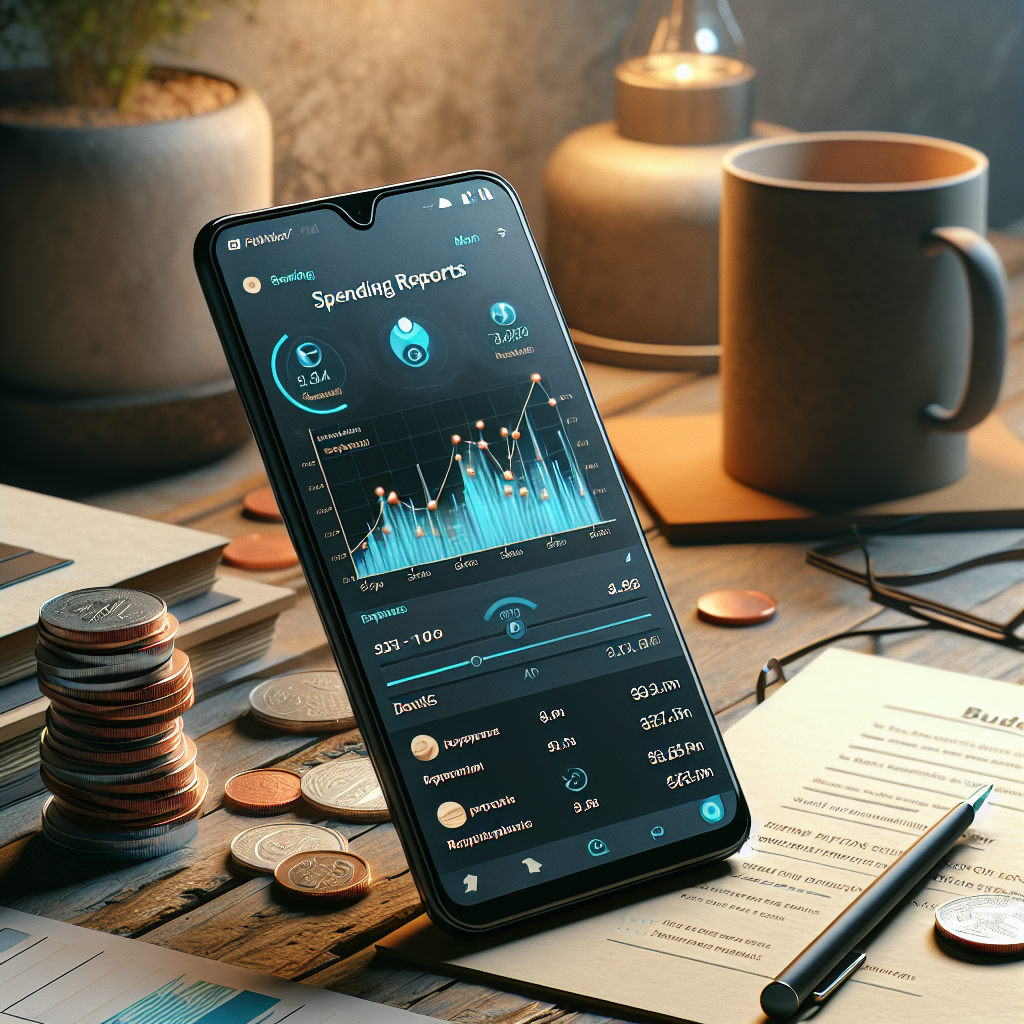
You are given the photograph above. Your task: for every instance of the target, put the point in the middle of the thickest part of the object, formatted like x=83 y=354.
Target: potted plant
x=109 y=364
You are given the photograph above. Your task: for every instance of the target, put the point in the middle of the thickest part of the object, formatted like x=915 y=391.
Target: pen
x=831 y=958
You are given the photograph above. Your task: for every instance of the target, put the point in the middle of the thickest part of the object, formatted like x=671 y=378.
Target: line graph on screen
x=471 y=474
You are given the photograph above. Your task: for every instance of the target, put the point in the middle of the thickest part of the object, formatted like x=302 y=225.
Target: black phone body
x=518 y=675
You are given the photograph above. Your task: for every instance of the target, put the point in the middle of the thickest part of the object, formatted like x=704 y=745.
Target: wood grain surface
x=198 y=901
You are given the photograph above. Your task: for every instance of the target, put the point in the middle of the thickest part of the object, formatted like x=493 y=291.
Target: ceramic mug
x=863 y=314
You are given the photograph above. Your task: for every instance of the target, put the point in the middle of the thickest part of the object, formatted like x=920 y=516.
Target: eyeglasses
x=884 y=590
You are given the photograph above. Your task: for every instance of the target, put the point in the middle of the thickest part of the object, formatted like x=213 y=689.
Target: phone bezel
x=359 y=210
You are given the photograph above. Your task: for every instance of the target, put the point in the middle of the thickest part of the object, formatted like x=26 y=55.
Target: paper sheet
x=843 y=768
x=56 y=973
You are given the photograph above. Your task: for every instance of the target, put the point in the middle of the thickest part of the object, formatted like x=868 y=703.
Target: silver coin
x=73 y=675
x=135 y=845
x=347 y=787
x=312 y=701
x=263 y=847
x=986 y=925
x=104 y=615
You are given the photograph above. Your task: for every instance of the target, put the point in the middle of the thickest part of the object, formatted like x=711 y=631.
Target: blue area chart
x=503 y=486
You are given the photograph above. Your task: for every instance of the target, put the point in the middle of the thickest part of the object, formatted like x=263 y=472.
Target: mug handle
x=986 y=281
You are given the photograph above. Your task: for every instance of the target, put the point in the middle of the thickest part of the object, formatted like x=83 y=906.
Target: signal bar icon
x=483 y=193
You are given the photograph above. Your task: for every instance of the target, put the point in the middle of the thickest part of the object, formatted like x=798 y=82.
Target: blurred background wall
x=365 y=92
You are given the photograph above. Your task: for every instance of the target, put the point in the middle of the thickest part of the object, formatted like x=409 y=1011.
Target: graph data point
x=420 y=532
x=504 y=431
x=523 y=492
x=379 y=491
x=479 y=424
x=432 y=506
x=385 y=529
x=535 y=377
x=516 y=435
x=456 y=439
x=544 y=494
x=392 y=498
x=471 y=471
x=552 y=402
x=458 y=458
x=482 y=445
x=508 y=474
x=508 y=490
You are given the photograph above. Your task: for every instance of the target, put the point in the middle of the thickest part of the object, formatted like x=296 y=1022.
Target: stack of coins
x=303 y=702
x=123 y=774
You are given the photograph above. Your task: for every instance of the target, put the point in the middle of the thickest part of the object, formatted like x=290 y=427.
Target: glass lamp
x=632 y=243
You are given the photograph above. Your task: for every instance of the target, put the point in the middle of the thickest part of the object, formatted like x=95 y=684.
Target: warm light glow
x=684 y=72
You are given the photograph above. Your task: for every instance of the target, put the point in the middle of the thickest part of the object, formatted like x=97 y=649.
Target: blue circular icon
x=503 y=314
x=576 y=780
x=597 y=847
x=308 y=354
x=410 y=342
x=516 y=629
x=657 y=832
x=712 y=809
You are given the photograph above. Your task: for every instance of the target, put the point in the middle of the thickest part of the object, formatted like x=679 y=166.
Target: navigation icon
x=597 y=847
x=470 y=883
x=532 y=866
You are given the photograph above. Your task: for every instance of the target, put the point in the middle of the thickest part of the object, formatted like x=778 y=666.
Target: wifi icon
x=501 y=231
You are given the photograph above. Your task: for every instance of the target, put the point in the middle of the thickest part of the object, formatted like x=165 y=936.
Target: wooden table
x=198 y=902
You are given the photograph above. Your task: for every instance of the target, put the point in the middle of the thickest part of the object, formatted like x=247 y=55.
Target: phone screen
x=544 y=716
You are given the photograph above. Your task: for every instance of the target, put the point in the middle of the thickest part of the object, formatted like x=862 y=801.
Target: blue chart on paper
x=198 y=1002
x=449 y=479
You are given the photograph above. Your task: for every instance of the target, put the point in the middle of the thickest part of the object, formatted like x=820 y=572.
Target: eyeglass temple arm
x=777 y=664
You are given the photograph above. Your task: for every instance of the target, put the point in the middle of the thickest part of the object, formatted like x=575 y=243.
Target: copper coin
x=74 y=768
x=260 y=551
x=94 y=817
x=104 y=615
x=113 y=830
x=90 y=729
x=115 y=756
x=169 y=626
x=144 y=805
x=261 y=504
x=75 y=773
x=263 y=790
x=326 y=874
x=175 y=787
x=736 y=607
x=988 y=924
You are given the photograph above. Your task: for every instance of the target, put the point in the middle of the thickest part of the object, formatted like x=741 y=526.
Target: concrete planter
x=101 y=307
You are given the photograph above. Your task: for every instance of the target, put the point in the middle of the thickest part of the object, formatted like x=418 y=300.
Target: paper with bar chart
x=455 y=477
x=56 y=973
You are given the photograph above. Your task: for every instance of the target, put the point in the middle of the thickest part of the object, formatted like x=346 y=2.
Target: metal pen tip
x=978 y=797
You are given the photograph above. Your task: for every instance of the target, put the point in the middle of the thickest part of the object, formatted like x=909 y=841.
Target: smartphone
x=519 y=678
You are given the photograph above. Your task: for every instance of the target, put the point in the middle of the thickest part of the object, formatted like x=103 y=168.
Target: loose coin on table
x=262 y=790
x=263 y=847
x=988 y=924
x=347 y=788
x=260 y=551
x=261 y=504
x=736 y=607
x=303 y=702
x=326 y=875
